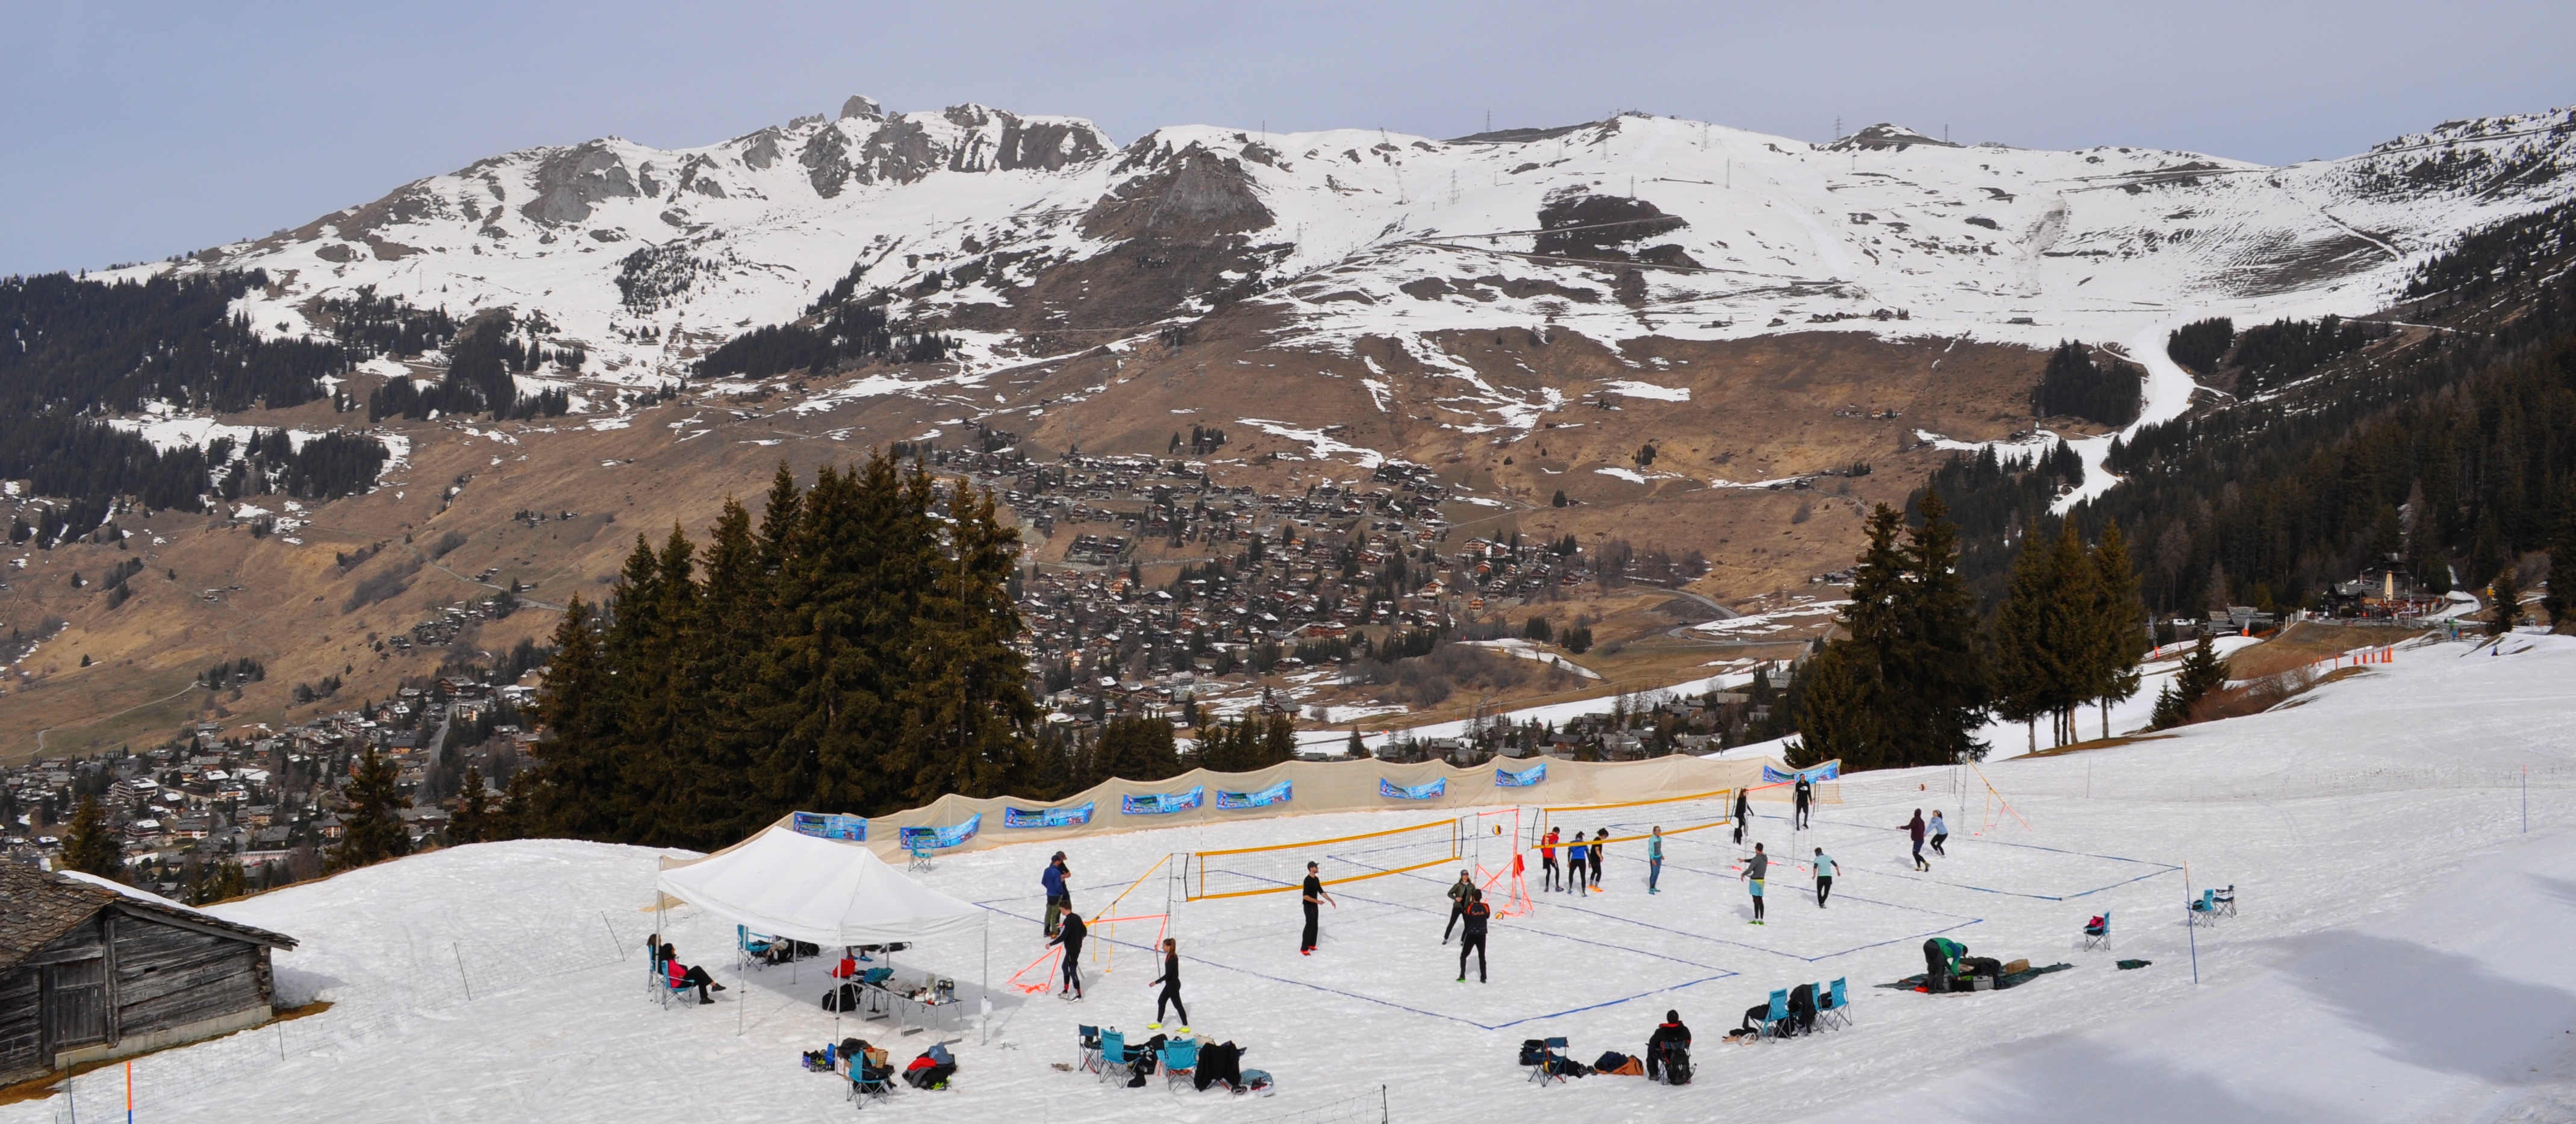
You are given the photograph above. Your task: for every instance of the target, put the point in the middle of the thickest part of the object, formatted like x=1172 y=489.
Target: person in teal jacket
x=1654 y=859
x=1824 y=877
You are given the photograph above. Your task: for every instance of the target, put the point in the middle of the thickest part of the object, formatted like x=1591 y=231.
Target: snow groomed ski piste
x=2375 y=834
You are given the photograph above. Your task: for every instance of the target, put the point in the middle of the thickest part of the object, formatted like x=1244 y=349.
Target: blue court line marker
x=1722 y=974
x=1963 y=920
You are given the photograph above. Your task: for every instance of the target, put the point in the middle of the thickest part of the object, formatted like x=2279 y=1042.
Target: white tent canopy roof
x=783 y=884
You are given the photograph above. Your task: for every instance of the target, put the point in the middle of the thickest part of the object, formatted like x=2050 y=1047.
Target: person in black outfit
x=1070 y=932
x=1312 y=894
x=1600 y=839
x=1474 y=937
x=1673 y=1034
x=1458 y=892
x=694 y=977
x=1743 y=815
x=1171 y=981
x=1805 y=793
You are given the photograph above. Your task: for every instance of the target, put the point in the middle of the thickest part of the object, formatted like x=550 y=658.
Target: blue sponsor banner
x=1161 y=803
x=1275 y=794
x=943 y=837
x=1505 y=778
x=1396 y=791
x=1075 y=816
x=1829 y=771
x=831 y=825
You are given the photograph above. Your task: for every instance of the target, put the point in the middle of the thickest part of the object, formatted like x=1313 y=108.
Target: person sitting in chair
x=683 y=978
x=1671 y=1034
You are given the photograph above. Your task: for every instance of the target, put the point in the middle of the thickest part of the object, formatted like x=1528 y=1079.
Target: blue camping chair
x=753 y=948
x=919 y=847
x=1775 y=1022
x=1836 y=1008
x=1180 y=1061
x=663 y=989
x=1113 y=1055
x=866 y=1080
x=2204 y=911
x=1086 y=1050
x=2099 y=936
x=1550 y=1053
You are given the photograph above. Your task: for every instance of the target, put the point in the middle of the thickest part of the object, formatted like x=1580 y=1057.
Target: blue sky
x=137 y=130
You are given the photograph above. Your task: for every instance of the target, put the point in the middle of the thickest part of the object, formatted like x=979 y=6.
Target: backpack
x=842 y=998
x=1677 y=1068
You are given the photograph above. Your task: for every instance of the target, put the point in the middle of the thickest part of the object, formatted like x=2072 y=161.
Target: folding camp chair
x=2203 y=911
x=663 y=989
x=1775 y=1022
x=868 y=1081
x=753 y=949
x=1113 y=1055
x=919 y=848
x=2225 y=900
x=1086 y=1049
x=2098 y=935
x=1180 y=1062
x=1837 y=1006
x=1550 y=1053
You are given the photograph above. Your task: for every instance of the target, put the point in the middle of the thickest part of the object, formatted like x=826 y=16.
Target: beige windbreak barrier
x=958 y=823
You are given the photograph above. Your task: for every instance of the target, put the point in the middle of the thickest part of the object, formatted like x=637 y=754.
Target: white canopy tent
x=783 y=884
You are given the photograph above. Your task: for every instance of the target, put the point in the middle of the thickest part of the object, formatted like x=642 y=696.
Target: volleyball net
x=1629 y=821
x=1280 y=868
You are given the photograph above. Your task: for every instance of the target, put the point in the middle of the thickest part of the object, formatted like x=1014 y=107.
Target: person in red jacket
x=687 y=977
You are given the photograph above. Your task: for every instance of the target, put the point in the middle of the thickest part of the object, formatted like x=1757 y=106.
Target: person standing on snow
x=1824 y=877
x=1070 y=934
x=1805 y=793
x=1059 y=900
x=1654 y=859
x=1914 y=827
x=1575 y=868
x=1458 y=892
x=1313 y=895
x=1171 y=981
x=1940 y=834
x=1547 y=858
x=1473 y=937
x=1755 y=871
x=1601 y=841
x=1743 y=815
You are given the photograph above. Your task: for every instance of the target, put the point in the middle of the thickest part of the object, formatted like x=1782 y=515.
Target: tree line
x=2074 y=384
x=852 y=652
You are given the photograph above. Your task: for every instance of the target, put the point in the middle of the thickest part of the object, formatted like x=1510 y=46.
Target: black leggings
x=1172 y=995
x=1937 y=841
x=696 y=978
x=1457 y=909
x=1824 y=889
x=1073 y=969
x=1475 y=941
x=1757 y=907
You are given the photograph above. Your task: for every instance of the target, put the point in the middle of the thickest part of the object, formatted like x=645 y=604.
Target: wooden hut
x=88 y=973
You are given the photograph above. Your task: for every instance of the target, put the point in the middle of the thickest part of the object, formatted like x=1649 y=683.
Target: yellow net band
x=1323 y=842
x=1636 y=803
x=1328 y=882
x=1649 y=835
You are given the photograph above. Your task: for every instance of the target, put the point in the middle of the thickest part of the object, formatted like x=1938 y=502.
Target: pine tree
x=2560 y=600
x=2116 y=617
x=92 y=846
x=2070 y=631
x=1937 y=672
x=577 y=774
x=371 y=830
x=1840 y=719
x=1279 y=740
x=2026 y=667
x=2202 y=671
x=2506 y=607
x=1358 y=749
x=473 y=817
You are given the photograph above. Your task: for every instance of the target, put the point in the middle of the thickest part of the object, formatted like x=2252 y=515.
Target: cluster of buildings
x=268 y=800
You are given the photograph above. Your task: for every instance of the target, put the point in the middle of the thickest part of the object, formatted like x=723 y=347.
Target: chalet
x=89 y=973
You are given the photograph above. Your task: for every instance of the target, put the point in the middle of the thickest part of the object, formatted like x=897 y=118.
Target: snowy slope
x=645 y=254
x=2400 y=955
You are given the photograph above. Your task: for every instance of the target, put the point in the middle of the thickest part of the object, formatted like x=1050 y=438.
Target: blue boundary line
x=1239 y=970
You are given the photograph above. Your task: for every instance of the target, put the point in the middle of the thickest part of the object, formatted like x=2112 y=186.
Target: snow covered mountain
x=1030 y=237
